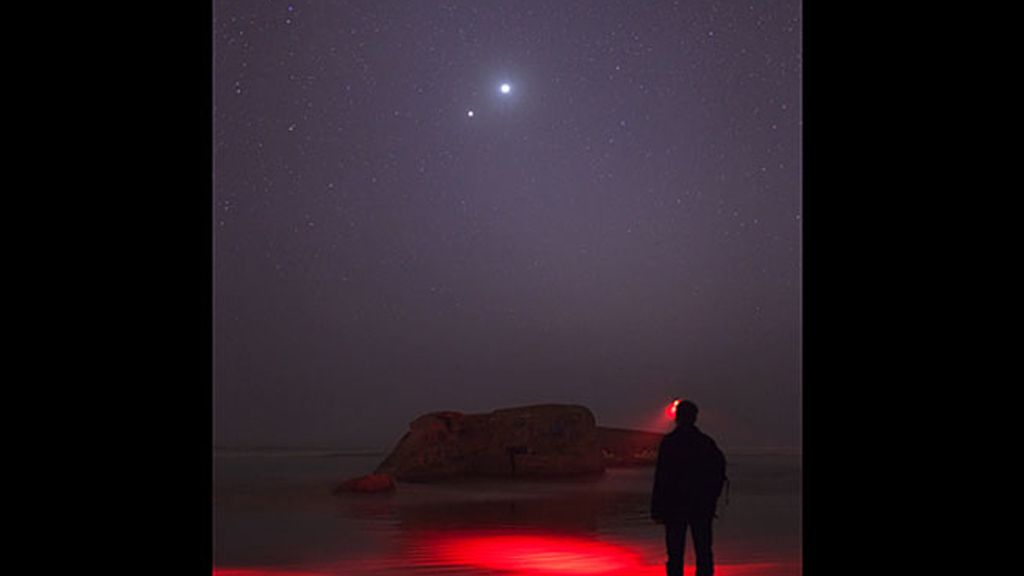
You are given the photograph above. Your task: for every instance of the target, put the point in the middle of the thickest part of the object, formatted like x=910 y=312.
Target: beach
x=275 y=513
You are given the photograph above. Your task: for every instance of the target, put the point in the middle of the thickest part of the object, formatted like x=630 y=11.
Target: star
x=470 y=113
x=506 y=88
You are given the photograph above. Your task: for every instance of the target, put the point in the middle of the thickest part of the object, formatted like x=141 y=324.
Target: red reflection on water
x=552 y=555
x=514 y=555
x=260 y=572
x=570 y=568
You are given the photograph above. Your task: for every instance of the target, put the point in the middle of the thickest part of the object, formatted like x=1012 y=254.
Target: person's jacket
x=689 y=476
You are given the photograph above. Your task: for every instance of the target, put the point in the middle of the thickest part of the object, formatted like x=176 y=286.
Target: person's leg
x=675 y=544
x=702 y=546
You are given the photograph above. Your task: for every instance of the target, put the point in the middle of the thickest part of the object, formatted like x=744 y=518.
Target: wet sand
x=274 y=513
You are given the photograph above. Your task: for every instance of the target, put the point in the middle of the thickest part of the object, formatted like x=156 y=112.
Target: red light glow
x=671 y=411
x=512 y=554
x=563 y=569
x=260 y=572
x=540 y=555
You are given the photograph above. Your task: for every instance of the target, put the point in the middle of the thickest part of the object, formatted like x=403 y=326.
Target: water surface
x=274 y=513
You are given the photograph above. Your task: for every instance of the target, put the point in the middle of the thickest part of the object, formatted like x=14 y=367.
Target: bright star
x=470 y=113
x=505 y=88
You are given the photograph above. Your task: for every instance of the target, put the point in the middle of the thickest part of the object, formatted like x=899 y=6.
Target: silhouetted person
x=687 y=483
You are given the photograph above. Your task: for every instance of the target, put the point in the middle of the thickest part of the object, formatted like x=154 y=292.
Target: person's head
x=686 y=413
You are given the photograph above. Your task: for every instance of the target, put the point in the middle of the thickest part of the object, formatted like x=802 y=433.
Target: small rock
x=371 y=483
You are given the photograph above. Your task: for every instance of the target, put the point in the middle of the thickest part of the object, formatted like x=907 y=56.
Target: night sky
x=395 y=234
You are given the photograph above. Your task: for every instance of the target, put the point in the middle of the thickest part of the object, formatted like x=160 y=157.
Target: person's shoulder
x=706 y=438
x=669 y=437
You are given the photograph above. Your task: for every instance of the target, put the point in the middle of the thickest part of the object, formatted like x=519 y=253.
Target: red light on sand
x=260 y=572
x=547 y=555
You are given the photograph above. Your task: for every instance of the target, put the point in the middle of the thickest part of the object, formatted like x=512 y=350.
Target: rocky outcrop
x=621 y=447
x=533 y=441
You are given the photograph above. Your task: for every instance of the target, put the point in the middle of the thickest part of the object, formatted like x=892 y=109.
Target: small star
x=470 y=113
x=506 y=88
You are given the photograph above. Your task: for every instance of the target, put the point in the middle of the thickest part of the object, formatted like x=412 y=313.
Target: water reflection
x=581 y=513
x=298 y=528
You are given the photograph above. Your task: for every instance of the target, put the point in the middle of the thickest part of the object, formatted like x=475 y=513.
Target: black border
x=182 y=490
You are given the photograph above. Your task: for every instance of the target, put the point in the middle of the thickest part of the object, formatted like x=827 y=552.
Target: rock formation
x=622 y=447
x=532 y=441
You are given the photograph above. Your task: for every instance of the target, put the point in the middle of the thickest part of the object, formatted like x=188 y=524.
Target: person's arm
x=718 y=467
x=719 y=461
